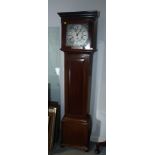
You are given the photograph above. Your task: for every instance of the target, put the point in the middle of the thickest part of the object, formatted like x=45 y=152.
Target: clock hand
x=79 y=31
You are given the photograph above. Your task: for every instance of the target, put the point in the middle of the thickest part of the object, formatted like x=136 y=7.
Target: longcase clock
x=78 y=42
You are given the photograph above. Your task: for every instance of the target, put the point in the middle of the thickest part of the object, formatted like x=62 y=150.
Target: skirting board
x=97 y=139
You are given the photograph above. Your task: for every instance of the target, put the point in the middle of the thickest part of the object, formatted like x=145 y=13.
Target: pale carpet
x=72 y=151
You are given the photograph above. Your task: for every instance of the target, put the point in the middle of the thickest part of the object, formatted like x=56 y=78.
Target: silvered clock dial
x=77 y=35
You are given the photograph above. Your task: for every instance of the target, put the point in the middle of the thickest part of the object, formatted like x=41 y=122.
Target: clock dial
x=77 y=35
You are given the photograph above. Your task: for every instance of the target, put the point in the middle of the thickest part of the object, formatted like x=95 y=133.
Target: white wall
x=53 y=63
x=98 y=94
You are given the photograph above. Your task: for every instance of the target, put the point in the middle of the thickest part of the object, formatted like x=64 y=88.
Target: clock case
x=76 y=123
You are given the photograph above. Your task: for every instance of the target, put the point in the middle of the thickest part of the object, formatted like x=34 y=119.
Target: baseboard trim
x=97 y=139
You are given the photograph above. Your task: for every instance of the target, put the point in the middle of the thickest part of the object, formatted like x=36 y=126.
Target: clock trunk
x=77 y=80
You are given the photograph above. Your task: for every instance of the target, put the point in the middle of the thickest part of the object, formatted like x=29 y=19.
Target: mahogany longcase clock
x=78 y=42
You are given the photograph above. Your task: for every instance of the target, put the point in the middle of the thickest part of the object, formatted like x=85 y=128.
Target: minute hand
x=78 y=32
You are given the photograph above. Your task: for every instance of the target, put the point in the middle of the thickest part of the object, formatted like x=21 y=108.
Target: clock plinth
x=76 y=132
x=78 y=44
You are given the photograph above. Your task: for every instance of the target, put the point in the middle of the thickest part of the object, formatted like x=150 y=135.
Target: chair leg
x=97 y=150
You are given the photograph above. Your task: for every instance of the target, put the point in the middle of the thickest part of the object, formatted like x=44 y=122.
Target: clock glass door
x=77 y=35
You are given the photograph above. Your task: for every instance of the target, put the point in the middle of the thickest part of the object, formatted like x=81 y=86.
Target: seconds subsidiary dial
x=77 y=35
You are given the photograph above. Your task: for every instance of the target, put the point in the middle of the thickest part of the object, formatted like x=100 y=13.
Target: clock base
x=76 y=132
